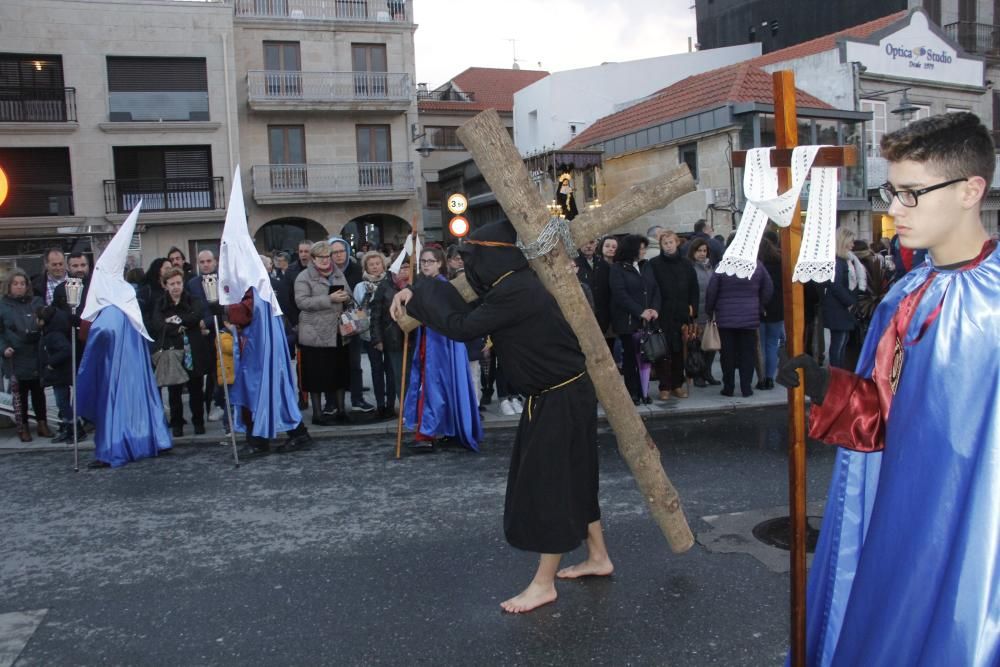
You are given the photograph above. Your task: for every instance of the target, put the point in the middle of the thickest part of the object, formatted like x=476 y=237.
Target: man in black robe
x=551 y=503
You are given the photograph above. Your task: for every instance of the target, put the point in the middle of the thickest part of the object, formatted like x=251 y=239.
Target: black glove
x=218 y=310
x=817 y=378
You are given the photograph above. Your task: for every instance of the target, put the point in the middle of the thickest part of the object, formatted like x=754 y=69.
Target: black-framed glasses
x=908 y=198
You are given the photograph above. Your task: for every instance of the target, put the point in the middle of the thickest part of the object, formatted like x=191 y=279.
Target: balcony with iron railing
x=329 y=91
x=979 y=38
x=37 y=105
x=357 y=181
x=353 y=11
x=165 y=194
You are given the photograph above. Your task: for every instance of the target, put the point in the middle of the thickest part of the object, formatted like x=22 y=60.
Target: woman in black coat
x=19 y=338
x=386 y=336
x=635 y=301
x=55 y=361
x=600 y=286
x=678 y=285
x=174 y=319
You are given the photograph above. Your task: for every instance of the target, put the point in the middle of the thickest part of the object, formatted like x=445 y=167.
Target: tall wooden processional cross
x=490 y=145
x=786 y=135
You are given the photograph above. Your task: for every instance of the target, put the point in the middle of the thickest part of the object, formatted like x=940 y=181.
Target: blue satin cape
x=445 y=383
x=263 y=383
x=117 y=391
x=907 y=568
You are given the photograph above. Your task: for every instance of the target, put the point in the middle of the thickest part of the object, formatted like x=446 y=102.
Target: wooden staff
x=402 y=396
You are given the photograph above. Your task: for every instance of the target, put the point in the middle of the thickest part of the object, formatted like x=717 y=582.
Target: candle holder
x=74 y=292
x=210 y=284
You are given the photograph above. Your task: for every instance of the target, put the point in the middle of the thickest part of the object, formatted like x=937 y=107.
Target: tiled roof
x=492 y=89
x=741 y=82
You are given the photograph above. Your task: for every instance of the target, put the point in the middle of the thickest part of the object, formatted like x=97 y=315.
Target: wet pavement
x=342 y=555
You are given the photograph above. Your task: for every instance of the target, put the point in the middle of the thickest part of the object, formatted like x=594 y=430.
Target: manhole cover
x=778 y=532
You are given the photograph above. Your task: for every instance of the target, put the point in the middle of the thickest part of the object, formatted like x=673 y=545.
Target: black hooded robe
x=553 y=481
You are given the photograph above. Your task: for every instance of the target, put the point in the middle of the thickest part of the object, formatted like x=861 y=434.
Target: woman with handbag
x=19 y=340
x=699 y=255
x=635 y=301
x=373 y=263
x=441 y=400
x=838 y=299
x=321 y=295
x=178 y=320
x=678 y=286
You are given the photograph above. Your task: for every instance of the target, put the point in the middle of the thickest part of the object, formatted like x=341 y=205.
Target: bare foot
x=532 y=597
x=588 y=568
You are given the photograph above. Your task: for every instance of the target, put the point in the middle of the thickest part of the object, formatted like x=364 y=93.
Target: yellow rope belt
x=553 y=388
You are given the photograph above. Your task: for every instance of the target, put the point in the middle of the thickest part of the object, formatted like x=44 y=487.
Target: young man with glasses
x=907 y=568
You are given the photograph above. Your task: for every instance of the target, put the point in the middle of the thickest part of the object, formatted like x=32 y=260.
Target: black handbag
x=652 y=344
x=694 y=360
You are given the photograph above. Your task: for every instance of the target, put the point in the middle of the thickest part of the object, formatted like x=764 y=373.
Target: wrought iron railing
x=333 y=179
x=379 y=11
x=983 y=38
x=328 y=86
x=446 y=96
x=164 y=194
x=37 y=105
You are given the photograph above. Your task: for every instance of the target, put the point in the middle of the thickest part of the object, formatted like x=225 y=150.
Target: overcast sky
x=568 y=34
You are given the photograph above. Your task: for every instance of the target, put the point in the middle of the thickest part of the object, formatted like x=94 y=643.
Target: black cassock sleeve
x=439 y=305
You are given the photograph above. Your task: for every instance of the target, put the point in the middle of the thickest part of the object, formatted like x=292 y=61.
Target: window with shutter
x=31 y=88
x=157 y=89
x=39 y=181
x=166 y=178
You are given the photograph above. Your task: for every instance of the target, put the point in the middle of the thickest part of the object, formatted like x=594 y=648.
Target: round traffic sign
x=458 y=227
x=457 y=203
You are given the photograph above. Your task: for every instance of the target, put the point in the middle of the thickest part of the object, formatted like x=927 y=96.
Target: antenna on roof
x=513 y=52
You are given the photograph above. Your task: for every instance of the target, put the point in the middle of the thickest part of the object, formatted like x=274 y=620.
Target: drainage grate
x=778 y=532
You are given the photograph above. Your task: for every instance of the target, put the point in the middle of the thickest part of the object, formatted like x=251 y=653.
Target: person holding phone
x=321 y=294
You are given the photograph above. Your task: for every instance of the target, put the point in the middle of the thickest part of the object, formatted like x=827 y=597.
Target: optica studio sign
x=919 y=57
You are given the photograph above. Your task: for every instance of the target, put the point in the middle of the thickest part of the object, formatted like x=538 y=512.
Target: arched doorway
x=286 y=233
x=376 y=229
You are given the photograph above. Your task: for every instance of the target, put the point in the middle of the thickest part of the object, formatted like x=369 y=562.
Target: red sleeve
x=241 y=314
x=851 y=414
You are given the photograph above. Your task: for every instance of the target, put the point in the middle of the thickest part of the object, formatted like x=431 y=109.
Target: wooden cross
x=786 y=135
x=489 y=143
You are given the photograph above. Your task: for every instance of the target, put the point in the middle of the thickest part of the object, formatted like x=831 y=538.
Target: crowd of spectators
x=676 y=292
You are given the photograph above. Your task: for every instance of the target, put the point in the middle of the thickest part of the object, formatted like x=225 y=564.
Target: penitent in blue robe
x=440 y=394
x=907 y=568
x=117 y=391
x=263 y=383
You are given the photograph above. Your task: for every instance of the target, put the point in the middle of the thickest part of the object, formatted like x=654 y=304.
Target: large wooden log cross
x=501 y=165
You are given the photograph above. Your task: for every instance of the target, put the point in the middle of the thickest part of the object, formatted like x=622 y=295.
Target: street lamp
x=425 y=149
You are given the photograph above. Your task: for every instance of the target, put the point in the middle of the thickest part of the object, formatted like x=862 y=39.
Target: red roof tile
x=492 y=89
x=741 y=82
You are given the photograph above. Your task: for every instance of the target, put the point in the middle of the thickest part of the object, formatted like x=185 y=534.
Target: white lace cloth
x=760 y=184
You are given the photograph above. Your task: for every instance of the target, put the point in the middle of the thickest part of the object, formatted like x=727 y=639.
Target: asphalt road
x=341 y=555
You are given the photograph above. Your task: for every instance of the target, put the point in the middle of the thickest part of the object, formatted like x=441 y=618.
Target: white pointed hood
x=240 y=267
x=108 y=286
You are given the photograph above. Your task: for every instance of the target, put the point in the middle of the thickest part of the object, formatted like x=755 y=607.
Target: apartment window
x=444 y=138
x=432 y=189
x=283 y=65
x=933 y=9
x=287 y=149
x=165 y=178
x=39 y=180
x=923 y=111
x=374 y=146
x=688 y=154
x=31 y=89
x=157 y=89
x=369 y=63
x=876 y=128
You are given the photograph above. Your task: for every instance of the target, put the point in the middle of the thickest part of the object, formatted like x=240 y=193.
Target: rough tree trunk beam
x=485 y=137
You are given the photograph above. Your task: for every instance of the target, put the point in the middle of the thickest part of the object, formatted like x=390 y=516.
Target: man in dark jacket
x=585 y=261
x=45 y=283
x=212 y=392
x=79 y=267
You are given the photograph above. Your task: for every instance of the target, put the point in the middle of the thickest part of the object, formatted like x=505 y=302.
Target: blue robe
x=263 y=383
x=442 y=386
x=907 y=568
x=117 y=391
